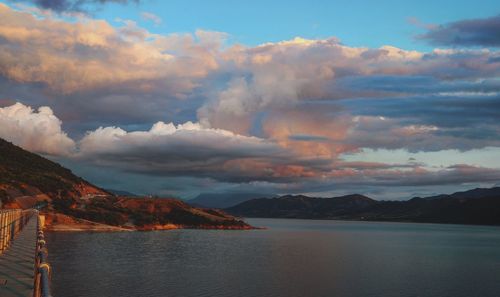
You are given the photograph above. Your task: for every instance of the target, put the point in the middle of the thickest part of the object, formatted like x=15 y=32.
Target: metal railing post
x=42 y=267
x=2 y=216
x=2 y=232
x=11 y=223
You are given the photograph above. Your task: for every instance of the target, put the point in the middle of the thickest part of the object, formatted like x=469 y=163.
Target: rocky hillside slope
x=26 y=174
x=71 y=203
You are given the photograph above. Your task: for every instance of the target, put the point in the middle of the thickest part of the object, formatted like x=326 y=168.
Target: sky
x=391 y=99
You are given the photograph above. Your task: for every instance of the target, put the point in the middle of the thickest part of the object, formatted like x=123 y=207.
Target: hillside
x=141 y=214
x=71 y=203
x=477 y=206
x=26 y=174
x=302 y=207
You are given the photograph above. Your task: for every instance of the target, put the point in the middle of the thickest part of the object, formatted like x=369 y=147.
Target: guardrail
x=42 y=267
x=12 y=222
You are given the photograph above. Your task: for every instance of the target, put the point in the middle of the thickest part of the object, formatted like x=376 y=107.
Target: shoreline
x=108 y=228
x=65 y=223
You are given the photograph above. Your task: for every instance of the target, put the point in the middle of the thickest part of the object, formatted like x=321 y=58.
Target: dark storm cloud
x=474 y=32
x=451 y=111
x=191 y=150
x=452 y=175
x=74 y=5
x=304 y=137
x=392 y=86
x=467 y=104
x=427 y=123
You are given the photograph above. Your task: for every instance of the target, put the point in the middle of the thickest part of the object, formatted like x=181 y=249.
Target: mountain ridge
x=221 y=200
x=475 y=206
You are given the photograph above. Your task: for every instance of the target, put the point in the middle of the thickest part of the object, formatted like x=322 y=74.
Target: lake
x=292 y=258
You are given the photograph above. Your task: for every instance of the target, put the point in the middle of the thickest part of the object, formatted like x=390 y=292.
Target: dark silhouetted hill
x=477 y=206
x=222 y=200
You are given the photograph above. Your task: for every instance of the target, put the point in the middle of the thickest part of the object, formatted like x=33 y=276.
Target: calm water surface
x=293 y=258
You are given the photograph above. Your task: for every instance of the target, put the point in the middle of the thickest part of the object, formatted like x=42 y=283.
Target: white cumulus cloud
x=35 y=130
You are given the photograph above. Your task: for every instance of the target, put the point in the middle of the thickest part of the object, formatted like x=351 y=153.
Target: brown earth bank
x=111 y=213
x=63 y=223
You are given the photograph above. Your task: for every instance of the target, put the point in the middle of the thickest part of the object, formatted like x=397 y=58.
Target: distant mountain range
x=71 y=203
x=221 y=200
x=477 y=206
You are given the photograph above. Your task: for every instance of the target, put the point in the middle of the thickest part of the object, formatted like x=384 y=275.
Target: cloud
x=474 y=32
x=460 y=121
x=405 y=175
x=306 y=137
x=196 y=155
x=165 y=149
x=91 y=54
x=281 y=75
x=92 y=69
x=457 y=174
x=74 y=5
x=38 y=131
x=276 y=75
x=325 y=129
x=192 y=150
x=417 y=137
x=192 y=106
x=148 y=16
x=185 y=149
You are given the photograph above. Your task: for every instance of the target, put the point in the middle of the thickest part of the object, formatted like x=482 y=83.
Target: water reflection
x=291 y=258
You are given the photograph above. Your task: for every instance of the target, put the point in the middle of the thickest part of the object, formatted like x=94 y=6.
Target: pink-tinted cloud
x=90 y=54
